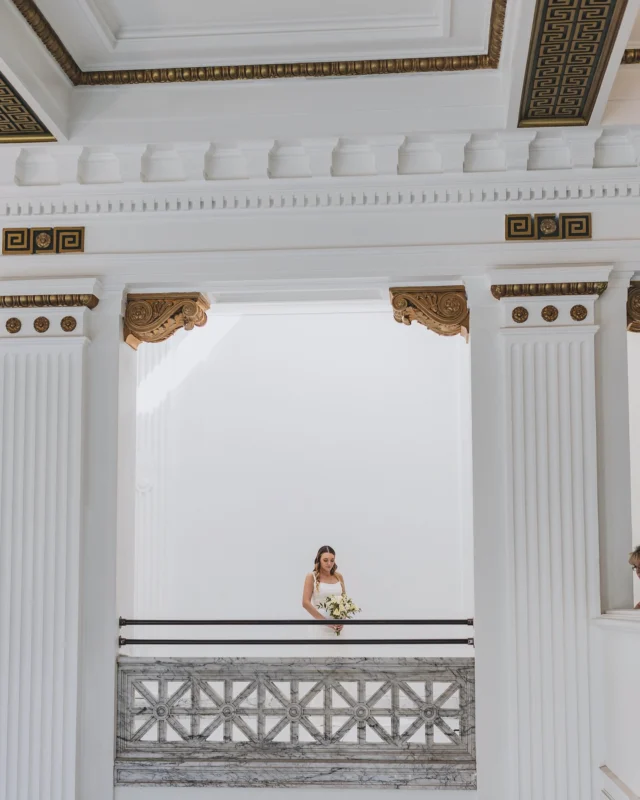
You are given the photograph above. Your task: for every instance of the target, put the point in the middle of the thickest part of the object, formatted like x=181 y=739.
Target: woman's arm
x=341 y=579
x=307 y=594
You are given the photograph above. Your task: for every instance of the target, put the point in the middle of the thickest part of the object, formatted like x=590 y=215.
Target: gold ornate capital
x=442 y=309
x=547 y=289
x=156 y=317
x=633 y=307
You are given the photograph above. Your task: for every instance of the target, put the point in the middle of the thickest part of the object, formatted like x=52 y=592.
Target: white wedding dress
x=320 y=592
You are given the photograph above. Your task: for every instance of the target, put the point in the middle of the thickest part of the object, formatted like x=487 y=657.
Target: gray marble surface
x=388 y=722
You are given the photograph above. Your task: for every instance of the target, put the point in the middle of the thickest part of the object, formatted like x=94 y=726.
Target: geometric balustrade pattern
x=230 y=721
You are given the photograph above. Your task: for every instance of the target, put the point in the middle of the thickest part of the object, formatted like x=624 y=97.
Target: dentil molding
x=414 y=170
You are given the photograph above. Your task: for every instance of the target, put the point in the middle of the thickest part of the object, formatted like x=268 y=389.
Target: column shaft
x=40 y=510
x=552 y=499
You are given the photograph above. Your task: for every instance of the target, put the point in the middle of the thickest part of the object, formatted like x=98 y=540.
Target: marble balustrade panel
x=396 y=722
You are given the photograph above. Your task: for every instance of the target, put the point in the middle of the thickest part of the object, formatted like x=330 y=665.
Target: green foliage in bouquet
x=339 y=606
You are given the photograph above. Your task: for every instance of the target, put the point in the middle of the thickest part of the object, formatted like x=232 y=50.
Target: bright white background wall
x=263 y=436
x=620 y=645
x=633 y=344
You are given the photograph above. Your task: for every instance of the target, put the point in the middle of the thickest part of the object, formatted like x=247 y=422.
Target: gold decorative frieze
x=549 y=313
x=547 y=289
x=631 y=56
x=48 y=301
x=13 y=325
x=18 y=122
x=37 y=241
x=633 y=307
x=442 y=309
x=41 y=324
x=156 y=317
x=571 y=43
x=311 y=69
x=538 y=227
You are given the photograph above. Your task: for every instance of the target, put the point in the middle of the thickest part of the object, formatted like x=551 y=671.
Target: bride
x=325 y=580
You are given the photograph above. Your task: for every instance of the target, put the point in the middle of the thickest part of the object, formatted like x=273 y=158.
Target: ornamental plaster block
x=416 y=153
x=549 y=150
x=615 y=148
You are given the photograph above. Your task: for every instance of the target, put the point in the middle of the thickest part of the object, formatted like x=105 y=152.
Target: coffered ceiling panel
x=19 y=124
x=130 y=34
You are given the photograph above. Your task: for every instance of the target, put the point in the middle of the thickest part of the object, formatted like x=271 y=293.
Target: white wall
x=620 y=645
x=284 y=432
x=633 y=344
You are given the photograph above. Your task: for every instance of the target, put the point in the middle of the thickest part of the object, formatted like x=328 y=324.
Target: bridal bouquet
x=339 y=606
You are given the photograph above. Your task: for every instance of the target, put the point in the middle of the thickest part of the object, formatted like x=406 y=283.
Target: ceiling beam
x=617 y=56
x=30 y=70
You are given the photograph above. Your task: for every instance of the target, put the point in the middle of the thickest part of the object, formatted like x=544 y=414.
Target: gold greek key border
x=319 y=69
x=538 y=227
x=15 y=113
x=39 y=241
x=567 y=61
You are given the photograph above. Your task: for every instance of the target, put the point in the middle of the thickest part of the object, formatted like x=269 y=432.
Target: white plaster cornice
x=49 y=286
x=551 y=273
x=321 y=196
x=324 y=174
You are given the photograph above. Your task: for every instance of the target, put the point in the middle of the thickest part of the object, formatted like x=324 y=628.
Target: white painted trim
x=615 y=789
x=552 y=274
x=215 y=793
x=56 y=286
x=620 y=621
x=35 y=344
x=99 y=23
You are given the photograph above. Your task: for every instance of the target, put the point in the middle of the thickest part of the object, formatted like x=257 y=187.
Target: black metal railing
x=123 y=622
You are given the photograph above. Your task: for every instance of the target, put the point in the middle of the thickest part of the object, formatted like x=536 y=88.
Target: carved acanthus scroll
x=633 y=307
x=156 y=317
x=442 y=309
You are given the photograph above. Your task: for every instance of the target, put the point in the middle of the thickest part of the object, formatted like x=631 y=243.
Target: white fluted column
x=42 y=357
x=151 y=442
x=551 y=494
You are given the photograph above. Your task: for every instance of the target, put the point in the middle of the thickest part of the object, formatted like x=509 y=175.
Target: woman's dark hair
x=316 y=564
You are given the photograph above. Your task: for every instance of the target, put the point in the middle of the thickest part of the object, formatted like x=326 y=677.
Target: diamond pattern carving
x=416 y=711
x=393 y=711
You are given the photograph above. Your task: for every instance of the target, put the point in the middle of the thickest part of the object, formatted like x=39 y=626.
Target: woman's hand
x=337 y=628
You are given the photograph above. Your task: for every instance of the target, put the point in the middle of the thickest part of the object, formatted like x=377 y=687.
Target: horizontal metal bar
x=125 y=642
x=123 y=622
